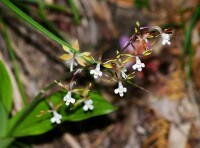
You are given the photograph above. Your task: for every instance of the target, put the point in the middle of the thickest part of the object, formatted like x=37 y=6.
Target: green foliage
x=187 y=47
x=4 y=143
x=5 y=88
x=142 y=4
x=14 y=63
x=33 y=125
x=4 y=121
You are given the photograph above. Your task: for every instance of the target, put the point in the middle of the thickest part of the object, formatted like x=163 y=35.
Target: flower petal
x=91 y=107
x=116 y=91
x=142 y=65
x=75 y=45
x=58 y=121
x=121 y=94
x=53 y=120
x=100 y=73
x=139 y=69
x=81 y=61
x=66 y=57
x=67 y=49
x=134 y=67
x=85 y=107
x=92 y=72
x=72 y=100
x=67 y=103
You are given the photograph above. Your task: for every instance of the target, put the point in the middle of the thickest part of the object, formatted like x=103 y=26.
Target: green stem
x=133 y=84
x=14 y=63
x=36 y=25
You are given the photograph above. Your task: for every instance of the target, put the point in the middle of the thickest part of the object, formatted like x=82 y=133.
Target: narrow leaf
x=35 y=24
x=5 y=88
x=4 y=121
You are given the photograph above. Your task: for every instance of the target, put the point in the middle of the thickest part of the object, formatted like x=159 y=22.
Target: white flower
x=96 y=71
x=68 y=98
x=56 y=117
x=124 y=75
x=166 y=39
x=120 y=90
x=138 y=65
x=88 y=105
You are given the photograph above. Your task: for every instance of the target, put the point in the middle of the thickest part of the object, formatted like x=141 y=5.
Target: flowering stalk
x=114 y=69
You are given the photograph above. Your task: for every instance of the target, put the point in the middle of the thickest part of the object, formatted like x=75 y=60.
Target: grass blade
x=36 y=25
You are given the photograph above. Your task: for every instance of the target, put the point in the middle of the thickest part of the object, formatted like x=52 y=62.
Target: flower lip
x=96 y=72
x=123 y=73
x=56 y=117
x=138 y=65
x=88 y=105
x=68 y=98
x=166 y=39
x=120 y=90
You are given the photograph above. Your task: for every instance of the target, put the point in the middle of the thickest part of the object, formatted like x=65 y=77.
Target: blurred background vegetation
x=161 y=108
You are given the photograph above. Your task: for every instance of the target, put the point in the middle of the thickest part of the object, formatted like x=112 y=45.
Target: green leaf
x=5 y=88
x=13 y=60
x=33 y=125
x=101 y=107
x=4 y=120
x=4 y=143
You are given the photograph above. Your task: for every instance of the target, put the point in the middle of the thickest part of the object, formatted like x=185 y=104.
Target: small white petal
x=116 y=91
x=72 y=100
x=134 y=67
x=95 y=76
x=100 y=73
x=67 y=103
x=91 y=107
x=58 y=121
x=89 y=101
x=142 y=65
x=53 y=120
x=121 y=94
x=85 y=107
x=92 y=71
